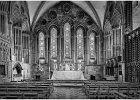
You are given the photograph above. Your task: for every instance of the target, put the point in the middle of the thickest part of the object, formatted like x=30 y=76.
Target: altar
x=67 y=75
x=67 y=71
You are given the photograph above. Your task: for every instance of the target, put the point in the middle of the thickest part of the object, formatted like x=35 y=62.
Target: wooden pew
x=42 y=92
x=104 y=88
x=27 y=88
x=31 y=95
x=119 y=95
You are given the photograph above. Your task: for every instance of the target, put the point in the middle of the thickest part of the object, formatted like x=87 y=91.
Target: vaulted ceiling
x=96 y=9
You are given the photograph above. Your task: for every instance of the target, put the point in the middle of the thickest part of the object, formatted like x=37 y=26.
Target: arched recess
x=80 y=46
x=113 y=36
x=65 y=27
x=113 y=30
x=85 y=44
x=17 y=70
x=53 y=46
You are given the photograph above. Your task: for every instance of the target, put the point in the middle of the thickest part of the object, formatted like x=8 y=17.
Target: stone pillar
x=72 y=47
x=60 y=48
x=29 y=39
x=75 y=49
x=111 y=33
x=100 y=50
x=87 y=46
x=21 y=47
x=6 y=25
x=46 y=46
x=74 y=57
x=12 y=49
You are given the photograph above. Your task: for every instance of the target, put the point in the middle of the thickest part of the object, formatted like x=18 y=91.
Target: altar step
x=69 y=92
x=65 y=83
x=68 y=84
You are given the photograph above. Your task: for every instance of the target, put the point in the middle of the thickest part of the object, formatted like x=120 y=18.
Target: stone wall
x=44 y=74
x=95 y=70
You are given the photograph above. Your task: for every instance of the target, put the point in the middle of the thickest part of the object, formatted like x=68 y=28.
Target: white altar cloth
x=67 y=75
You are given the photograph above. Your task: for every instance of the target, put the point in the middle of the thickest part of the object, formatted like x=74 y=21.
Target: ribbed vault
x=37 y=8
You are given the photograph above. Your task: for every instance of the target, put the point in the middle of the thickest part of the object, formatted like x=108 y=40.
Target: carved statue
x=67 y=67
x=71 y=67
x=55 y=66
x=79 y=66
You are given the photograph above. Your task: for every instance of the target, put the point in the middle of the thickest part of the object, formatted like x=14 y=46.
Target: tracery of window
x=17 y=43
x=53 y=32
x=92 y=45
x=80 y=47
x=41 y=45
x=2 y=24
x=25 y=44
x=67 y=40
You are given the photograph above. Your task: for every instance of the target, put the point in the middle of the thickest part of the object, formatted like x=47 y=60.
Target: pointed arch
x=18 y=68
x=37 y=14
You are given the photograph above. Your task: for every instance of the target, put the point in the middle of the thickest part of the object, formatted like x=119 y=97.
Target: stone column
x=11 y=46
x=75 y=50
x=21 y=47
x=60 y=48
x=6 y=25
x=29 y=39
x=100 y=50
x=46 y=45
x=87 y=48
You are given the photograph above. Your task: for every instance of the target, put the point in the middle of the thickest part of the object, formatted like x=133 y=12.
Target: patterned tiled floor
x=68 y=93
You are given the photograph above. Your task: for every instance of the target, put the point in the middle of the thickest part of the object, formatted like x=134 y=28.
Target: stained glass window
x=67 y=40
x=53 y=42
x=92 y=45
x=41 y=45
x=80 y=48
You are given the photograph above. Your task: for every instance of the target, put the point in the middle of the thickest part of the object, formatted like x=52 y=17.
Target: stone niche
x=93 y=72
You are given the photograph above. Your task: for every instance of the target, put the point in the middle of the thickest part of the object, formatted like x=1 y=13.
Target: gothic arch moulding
x=58 y=15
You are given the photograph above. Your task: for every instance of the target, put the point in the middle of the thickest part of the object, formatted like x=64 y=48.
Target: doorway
x=92 y=77
x=37 y=77
x=2 y=69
